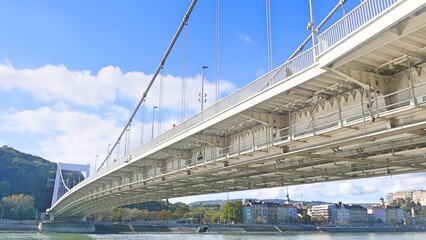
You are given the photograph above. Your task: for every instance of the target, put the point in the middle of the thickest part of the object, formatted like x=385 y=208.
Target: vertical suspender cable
x=311 y=26
x=269 y=38
x=154 y=76
x=217 y=75
x=160 y=102
x=343 y=15
x=318 y=28
x=343 y=7
x=185 y=40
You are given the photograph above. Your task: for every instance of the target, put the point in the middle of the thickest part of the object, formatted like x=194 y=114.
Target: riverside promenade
x=244 y=229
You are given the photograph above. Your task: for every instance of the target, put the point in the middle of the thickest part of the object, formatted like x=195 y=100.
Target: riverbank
x=104 y=228
x=19 y=226
x=247 y=236
x=144 y=228
x=372 y=229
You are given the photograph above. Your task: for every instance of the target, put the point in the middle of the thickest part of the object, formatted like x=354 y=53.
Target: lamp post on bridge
x=142 y=121
x=153 y=119
x=109 y=145
x=203 y=96
x=96 y=161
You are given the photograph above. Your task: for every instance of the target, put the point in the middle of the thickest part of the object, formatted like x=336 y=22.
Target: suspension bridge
x=350 y=106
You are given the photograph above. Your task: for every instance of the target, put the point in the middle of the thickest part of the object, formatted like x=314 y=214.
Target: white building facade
x=419 y=196
x=326 y=213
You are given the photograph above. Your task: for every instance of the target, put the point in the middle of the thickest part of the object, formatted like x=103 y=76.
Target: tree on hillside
x=18 y=207
x=179 y=209
x=4 y=188
x=22 y=173
x=26 y=174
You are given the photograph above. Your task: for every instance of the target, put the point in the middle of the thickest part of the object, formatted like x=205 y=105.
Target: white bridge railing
x=352 y=21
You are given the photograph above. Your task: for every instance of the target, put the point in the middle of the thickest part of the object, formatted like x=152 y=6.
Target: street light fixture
x=202 y=95
x=96 y=161
x=142 y=122
x=153 y=118
x=109 y=156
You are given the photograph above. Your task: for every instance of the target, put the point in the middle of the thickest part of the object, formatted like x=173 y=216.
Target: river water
x=287 y=236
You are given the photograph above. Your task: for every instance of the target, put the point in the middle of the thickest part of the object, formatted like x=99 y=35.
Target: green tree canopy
x=22 y=173
x=116 y=214
x=231 y=212
x=18 y=207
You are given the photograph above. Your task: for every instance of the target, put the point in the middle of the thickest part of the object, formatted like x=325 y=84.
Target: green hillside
x=26 y=174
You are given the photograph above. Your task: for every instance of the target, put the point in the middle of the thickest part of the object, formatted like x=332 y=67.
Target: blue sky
x=71 y=72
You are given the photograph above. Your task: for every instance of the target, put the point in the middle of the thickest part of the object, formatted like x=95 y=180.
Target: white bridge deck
x=351 y=107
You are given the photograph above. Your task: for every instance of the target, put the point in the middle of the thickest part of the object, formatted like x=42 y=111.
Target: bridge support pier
x=67 y=226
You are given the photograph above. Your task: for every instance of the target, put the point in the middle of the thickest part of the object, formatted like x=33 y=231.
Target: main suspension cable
x=269 y=37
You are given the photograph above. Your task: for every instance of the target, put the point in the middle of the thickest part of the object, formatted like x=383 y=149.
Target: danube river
x=287 y=236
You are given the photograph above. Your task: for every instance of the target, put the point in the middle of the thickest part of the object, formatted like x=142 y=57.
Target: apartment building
x=326 y=213
x=268 y=213
x=357 y=214
x=394 y=215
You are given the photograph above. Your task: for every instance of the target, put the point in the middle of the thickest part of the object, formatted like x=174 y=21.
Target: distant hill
x=26 y=174
x=221 y=201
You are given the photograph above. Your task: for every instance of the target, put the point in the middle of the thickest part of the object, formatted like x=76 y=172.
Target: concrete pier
x=67 y=227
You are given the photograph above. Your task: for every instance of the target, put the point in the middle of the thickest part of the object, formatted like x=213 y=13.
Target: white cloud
x=348 y=188
x=64 y=135
x=67 y=131
x=401 y=182
x=56 y=83
x=53 y=83
x=267 y=193
x=246 y=38
x=348 y=191
x=72 y=136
